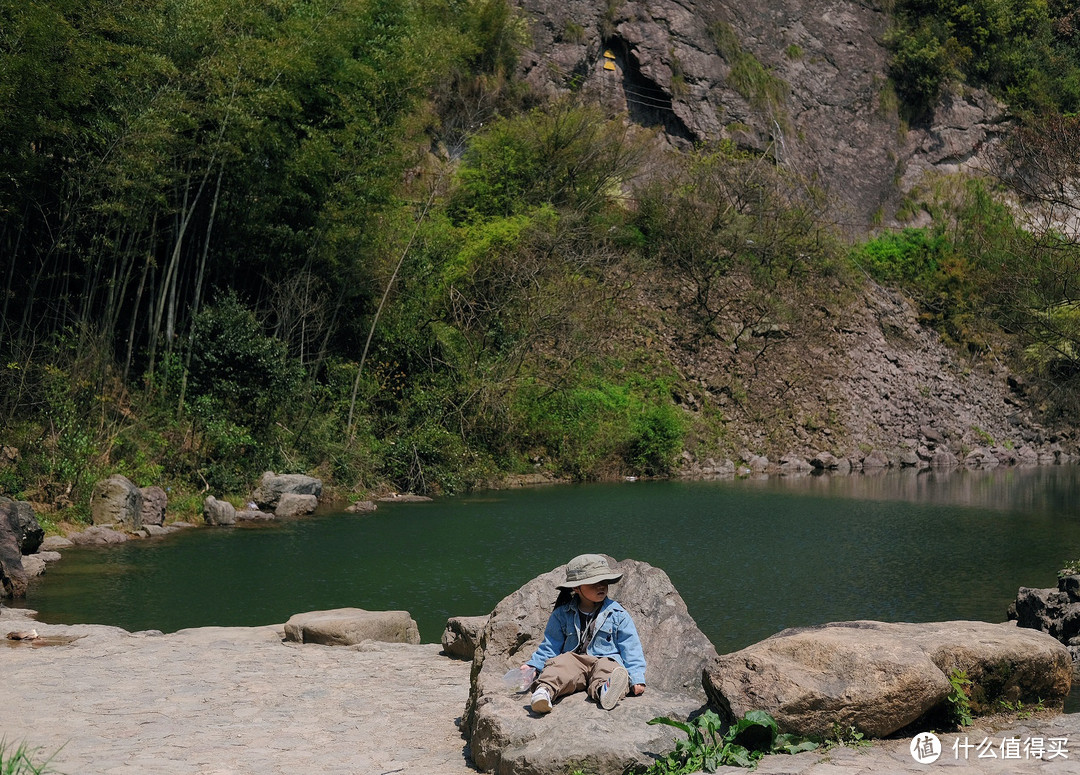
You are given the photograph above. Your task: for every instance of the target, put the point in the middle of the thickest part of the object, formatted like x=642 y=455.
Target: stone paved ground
x=237 y=701
x=230 y=701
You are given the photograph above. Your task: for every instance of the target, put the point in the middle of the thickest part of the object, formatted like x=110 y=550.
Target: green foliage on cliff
x=1025 y=51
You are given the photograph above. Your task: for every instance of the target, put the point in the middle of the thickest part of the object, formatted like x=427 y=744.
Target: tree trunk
x=198 y=292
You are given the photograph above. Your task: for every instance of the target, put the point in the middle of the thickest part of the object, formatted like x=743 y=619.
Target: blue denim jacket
x=616 y=637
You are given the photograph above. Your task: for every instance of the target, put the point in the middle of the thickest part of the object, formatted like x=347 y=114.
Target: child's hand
x=637 y=689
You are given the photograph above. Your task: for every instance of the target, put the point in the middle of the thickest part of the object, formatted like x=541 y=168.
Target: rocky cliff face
x=805 y=80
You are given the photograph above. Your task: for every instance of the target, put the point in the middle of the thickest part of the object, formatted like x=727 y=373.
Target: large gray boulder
x=1055 y=611
x=272 y=486
x=116 y=501
x=217 y=512
x=24 y=522
x=506 y=737
x=154 y=504
x=349 y=626
x=880 y=677
x=1002 y=661
x=293 y=504
x=13 y=576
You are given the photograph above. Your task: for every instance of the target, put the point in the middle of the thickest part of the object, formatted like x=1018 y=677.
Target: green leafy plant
x=983 y=436
x=710 y=744
x=1022 y=711
x=1070 y=568
x=959 y=698
x=850 y=737
x=22 y=760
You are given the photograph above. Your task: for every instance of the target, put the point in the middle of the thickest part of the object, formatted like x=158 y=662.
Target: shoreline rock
x=881 y=678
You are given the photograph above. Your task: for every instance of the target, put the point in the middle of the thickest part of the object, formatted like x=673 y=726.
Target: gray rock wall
x=818 y=104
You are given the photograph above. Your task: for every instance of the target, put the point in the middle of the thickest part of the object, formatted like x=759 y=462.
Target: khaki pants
x=570 y=672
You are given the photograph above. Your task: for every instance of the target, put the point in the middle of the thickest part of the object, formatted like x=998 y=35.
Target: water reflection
x=1035 y=488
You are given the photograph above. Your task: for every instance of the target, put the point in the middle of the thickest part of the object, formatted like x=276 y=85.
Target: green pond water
x=749 y=557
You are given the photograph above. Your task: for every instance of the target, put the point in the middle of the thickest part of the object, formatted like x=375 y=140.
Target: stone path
x=238 y=701
x=230 y=701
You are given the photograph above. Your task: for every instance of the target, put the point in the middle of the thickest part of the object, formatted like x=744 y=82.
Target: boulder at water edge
x=217 y=512
x=24 y=522
x=98 y=535
x=506 y=737
x=116 y=501
x=880 y=677
x=349 y=626
x=13 y=577
x=272 y=486
x=154 y=504
x=1054 y=610
x=292 y=504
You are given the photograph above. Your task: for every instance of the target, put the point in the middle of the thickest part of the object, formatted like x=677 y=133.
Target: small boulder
x=362 y=507
x=909 y=458
x=217 y=512
x=253 y=515
x=876 y=459
x=461 y=636
x=825 y=461
x=932 y=435
x=794 y=464
x=272 y=486
x=97 y=535
x=52 y=543
x=757 y=463
x=292 y=504
x=154 y=503
x=404 y=497
x=980 y=458
x=349 y=626
x=943 y=458
x=116 y=501
x=1026 y=456
x=33 y=565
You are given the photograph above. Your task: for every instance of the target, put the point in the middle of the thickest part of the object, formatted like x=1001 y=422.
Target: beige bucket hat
x=589 y=569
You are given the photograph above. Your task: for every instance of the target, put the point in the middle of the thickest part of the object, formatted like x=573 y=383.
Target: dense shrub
x=1022 y=50
x=245 y=374
x=595 y=427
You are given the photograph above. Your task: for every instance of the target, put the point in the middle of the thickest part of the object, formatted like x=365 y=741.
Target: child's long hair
x=565 y=596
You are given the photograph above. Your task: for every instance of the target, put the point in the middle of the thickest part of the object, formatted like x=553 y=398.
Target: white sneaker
x=615 y=688
x=541 y=700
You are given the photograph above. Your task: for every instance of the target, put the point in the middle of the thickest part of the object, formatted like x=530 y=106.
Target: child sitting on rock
x=590 y=641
